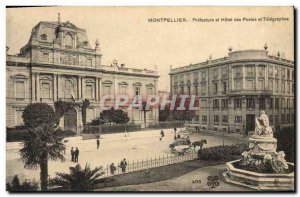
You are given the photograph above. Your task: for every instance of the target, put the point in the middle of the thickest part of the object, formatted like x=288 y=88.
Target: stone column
x=79 y=87
x=37 y=77
x=58 y=87
x=33 y=97
x=82 y=88
x=100 y=89
x=96 y=89
x=243 y=78
x=54 y=87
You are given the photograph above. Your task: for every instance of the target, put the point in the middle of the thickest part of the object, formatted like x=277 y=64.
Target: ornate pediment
x=137 y=84
x=69 y=59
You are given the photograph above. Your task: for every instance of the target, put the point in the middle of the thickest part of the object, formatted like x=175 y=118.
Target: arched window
x=68 y=89
x=69 y=41
x=43 y=37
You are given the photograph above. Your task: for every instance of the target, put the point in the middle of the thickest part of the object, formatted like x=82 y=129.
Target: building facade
x=59 y=63
x=233 y=90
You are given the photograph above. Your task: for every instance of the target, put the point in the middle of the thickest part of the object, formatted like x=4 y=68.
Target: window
x=293 y=75
x=262 y=104
x=195 y=77
x=288 y=104
x=288 y=118
x=123 y=90
x=204 y=118
x=293 y=88
x=283 y=73
x=261 y=71
x=216 y=87
x=19 y=119
x=282 y=118
x=43 y=37
x=271 y=103
x=224 y=72
x=288 y=88
x=203 y=76
x=203 y=89
x=149 y=91
x=137 y=91
x=46 y=91
x=89 y=63
x=215 y=73
x=271 y=119
x=224 y=104
x=276 y=72
x=238 y=71
x=216 y=104
x=276 y=119
x=20 y=90
x=270 y=84
x=237 y=103
x=237 y=84
x=182 y=90
x=283 y=87
x=271 y=71
x=224 y=118
x=276 y=103
x=89 y=91
x=250 y=84
x=276 y=86
x=68 y=89
x=238 y=119
x=45 y=57
x=283 y=103
x=196 y=90
x=189 y=90
x=261 y=84
x=107 y=90
x=250 y=71
x=288 y=74
x=216 y=118
x=68 y=41
x=224 y=87
x=203 y=104
x=250 y=103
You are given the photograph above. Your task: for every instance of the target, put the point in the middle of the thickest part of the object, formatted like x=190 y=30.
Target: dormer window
x=44 y=37
x=68 y=42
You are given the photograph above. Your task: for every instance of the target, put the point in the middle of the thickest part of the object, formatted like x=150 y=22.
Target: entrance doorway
x=70 y=120
x=250 y=122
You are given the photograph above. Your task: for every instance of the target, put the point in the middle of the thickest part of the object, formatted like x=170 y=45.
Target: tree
x=79 y=179
x=114 y=116
x=36 y=114
x=85 y=105
x=286 y=142
x=43 y=142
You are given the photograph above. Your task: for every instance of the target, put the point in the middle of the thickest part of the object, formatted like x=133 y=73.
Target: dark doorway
x=70 y=120
x=250 y=122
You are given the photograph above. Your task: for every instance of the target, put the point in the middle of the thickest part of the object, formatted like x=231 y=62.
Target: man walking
x=112 y=168
x=76 y=154
x=123 y=165
x=175 y=130
x=72 y=154
x=98 y=143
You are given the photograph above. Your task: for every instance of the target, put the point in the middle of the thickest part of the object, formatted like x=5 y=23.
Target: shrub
x=15 y=186
x=222 y=153
x=94 y=129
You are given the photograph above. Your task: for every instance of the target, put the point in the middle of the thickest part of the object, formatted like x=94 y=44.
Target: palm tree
x=79 y=179
x=43 y=143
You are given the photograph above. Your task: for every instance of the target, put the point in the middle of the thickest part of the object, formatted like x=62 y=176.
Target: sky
x=125 y=34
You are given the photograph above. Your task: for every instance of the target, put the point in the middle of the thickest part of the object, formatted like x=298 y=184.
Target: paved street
x=113 y=148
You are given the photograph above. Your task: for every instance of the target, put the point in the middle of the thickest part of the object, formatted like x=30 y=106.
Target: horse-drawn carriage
x=184 y=145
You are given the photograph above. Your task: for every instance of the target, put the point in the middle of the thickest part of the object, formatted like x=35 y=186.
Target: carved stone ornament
x=69 y=59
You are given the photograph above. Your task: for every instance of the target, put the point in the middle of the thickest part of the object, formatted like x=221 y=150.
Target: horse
x=199 y=143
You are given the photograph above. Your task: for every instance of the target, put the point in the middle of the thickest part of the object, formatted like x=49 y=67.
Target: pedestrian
x=112 y=168
x=76 y=154
x=98 y=143
x=178 y=136
x=72 y=154
x=245 y=131
x=123 y=165
x=175 y=130
x=175 y=137
x=162 y=133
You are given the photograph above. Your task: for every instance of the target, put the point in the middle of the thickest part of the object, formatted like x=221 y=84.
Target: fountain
x=262 y=167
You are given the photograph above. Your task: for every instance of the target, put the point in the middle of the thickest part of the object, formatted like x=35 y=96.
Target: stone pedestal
x=262 y=144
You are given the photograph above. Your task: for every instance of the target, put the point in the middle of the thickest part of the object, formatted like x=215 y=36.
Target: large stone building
x=234 y=89
x=59 y=63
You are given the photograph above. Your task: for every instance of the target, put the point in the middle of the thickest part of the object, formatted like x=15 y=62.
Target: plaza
x=113 y=148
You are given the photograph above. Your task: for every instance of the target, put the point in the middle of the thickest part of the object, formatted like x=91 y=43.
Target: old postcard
x=151 y=99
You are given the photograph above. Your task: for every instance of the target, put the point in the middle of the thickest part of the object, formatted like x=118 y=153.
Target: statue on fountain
x=262 y=125
x=262 y=141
